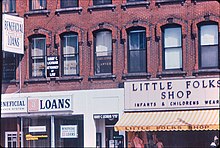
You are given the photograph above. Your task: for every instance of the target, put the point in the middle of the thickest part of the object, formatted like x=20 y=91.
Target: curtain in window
x=172 y=48
x=137 y=51
x=70 y=54
x=38 y=4
x=38 y=53
x=9 y=5
x=209 y=46
x=103 y=52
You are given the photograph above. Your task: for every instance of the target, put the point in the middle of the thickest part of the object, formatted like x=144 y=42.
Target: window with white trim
x=103 y=52
x=38 y=4
x=172 y=48
x=8 y=6
x=70 y=55
x=38 y=57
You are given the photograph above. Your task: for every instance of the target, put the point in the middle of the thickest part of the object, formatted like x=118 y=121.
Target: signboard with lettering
x=68 y=131
x=49 y=104
x=12 y=34
x=37 y=129
x=105 y=116
x=16 y=105
x=52 y=66
x=172 y=94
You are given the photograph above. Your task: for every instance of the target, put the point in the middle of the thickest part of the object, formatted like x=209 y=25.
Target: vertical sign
x=13 y=34
x=52 y=66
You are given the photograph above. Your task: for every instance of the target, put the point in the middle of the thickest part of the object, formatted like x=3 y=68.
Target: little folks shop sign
x=172 y=94
x=49 y=104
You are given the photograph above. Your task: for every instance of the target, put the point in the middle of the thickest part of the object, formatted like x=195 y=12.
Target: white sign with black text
x=200 y=93
x=68 y=131
x=12 y=34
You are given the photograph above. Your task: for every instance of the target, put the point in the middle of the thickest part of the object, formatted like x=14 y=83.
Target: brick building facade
x=102 y=44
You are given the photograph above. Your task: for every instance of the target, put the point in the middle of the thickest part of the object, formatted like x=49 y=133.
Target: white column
x=22 y=134
x=52 y=132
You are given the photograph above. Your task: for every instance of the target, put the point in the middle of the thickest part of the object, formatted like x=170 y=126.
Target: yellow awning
x=169 y=121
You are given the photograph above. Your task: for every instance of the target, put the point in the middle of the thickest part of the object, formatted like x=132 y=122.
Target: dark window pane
x=103 y=64
x=101 y=2
x=209 y=56
x=38 y=4
x=135 y=0
x=9 y=66
x=137 y=61
x=69 y=3
x=137 y=51
x=9 y=5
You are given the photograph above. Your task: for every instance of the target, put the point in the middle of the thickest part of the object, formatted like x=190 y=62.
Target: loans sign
x=172 y=94
x=68 y=131
x=13 y=34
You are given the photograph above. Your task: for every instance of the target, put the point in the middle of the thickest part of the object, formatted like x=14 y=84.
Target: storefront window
x=69 y=131
x=37 y=132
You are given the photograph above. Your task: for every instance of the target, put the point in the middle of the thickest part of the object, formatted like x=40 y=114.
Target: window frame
x=134 y=30
x=44 y=5
x=11 y=7
x=200 y=46
x=13 y=60
x=95 y=53
x=104 y=2
x=63 y=7
x=44 y=56
x=77 y=69
x=134 y=1
x=169 y=26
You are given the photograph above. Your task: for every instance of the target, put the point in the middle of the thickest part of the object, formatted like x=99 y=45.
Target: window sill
x=102 y=7
x=37 y=80
x=37 y=12
x=195 y=1
x=11 y=13
x=69 y=79
x=135 y=4
x=68 y=10
x=136 y=76
x=206 y=72
x=102 y=77
x=172 y=73
x=161 y=2
x=10 y=82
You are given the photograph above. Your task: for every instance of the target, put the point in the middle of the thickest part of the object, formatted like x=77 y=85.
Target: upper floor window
x=208 y=45
x=137 y=51
x=103 y=52
x=135 y=1
x=102 y=2
x=68 y=3
x=70 y=55
x=38 y=4
x=9 y=66
x=8 y=6
x=172 y=47
x=38 y=57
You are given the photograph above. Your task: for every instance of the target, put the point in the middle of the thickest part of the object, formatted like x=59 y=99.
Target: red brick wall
x=188 y=15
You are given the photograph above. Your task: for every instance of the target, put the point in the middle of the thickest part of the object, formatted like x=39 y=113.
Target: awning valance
x=169 y=121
